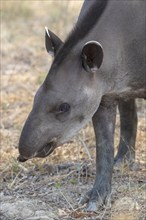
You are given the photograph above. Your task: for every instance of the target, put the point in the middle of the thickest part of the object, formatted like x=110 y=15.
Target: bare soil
x=50 y=188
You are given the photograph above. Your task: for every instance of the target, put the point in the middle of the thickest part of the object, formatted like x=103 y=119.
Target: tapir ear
x=92 y=56
x=52 y=42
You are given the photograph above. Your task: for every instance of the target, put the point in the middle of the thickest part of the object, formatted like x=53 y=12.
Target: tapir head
x=67 y=99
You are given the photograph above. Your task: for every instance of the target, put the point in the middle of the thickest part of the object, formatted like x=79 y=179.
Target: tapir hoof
x=95 y=200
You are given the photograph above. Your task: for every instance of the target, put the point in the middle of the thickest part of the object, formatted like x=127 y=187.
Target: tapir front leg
x=104 y=125
x=128 y=126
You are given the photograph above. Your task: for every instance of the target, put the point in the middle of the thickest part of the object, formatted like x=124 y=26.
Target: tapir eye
x=63 y=108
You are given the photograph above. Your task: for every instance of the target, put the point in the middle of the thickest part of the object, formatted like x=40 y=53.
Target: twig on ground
x=86 y=148
x=66 y=200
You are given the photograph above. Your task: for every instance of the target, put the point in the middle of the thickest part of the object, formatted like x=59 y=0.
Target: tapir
x=101 y=65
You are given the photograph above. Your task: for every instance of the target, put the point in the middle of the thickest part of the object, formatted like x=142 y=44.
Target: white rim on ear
x=50 y=52
x=46 y=29
x=95 y=42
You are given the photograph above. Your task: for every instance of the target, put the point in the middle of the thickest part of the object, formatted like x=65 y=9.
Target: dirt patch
x=53 y=192
x=50 y=188
x=26 y=209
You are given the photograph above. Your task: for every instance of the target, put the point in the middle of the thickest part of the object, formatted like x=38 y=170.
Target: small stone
x=126 y=204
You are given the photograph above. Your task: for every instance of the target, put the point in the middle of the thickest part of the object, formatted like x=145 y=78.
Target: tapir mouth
x=46 y=150
x=43 y=152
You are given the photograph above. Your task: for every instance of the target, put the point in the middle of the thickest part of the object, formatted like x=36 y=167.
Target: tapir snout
x=34 y=140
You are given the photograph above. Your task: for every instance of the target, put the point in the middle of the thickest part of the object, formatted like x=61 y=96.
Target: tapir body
x=99 y=66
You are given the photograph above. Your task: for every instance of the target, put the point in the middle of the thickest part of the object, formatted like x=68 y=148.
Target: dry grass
x=24 y=65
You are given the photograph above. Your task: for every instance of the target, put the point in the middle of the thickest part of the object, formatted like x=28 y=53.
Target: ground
x=49 y=189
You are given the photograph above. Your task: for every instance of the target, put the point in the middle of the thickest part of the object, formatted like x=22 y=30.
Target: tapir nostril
x=25 y=151
x=20 y=158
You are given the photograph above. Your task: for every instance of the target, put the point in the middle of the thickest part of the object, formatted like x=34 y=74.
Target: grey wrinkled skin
x=100 y=66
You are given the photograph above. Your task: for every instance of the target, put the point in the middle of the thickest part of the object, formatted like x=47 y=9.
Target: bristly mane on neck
x=81 y=29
